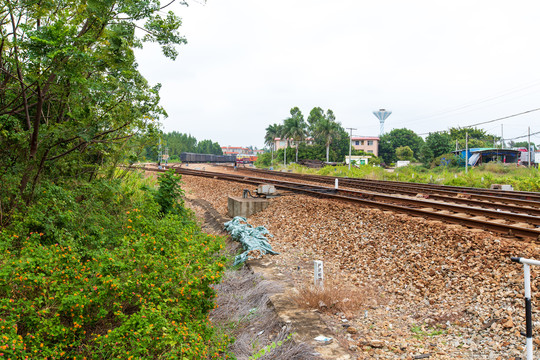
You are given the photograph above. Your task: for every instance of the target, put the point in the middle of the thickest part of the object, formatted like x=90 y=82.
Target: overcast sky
x=434 y=64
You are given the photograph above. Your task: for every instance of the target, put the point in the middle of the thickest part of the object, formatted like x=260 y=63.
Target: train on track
x=246 y=159
x=186 y=157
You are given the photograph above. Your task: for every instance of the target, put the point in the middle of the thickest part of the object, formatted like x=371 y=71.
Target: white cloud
x=248 y=62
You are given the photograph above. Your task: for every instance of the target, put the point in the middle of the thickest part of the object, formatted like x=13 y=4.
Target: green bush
x=169 y=194
x=96 y=271
x=264 y=160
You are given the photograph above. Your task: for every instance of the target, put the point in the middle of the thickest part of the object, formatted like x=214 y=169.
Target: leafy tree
x=272 y=132
x=178 y=143
x=426 y=154
x=328 y=134
x=71 y=96
x=330 y=115
x=522 y=144
x=440 y=143
x=209 y=147
x=295 y=127
x=478 y=138
x=328 y=131
x=436 y=144
x=474 y=133
x=396 y=138
x=404 y=153
x=315 y=116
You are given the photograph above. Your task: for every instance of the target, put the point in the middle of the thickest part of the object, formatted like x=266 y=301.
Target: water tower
x=382 y=115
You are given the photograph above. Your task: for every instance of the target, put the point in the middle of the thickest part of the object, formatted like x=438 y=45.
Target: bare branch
x=85 y=143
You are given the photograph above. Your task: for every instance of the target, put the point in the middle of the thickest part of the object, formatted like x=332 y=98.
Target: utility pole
x=466 y=152
x=502 y=137
x=350 y=145
x=272 y=150
x=529 y=149
x=285 y=153
x=159 y=154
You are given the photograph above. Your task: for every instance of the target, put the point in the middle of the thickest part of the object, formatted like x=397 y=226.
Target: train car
x=534 y=157
x=246 y=159
x=186 y=157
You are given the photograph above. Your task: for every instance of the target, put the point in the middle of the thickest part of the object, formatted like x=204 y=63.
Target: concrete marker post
x=318 y=276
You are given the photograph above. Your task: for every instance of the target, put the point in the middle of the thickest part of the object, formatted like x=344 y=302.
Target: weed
x=269 y=348
x=420 y=331
x=334 y=296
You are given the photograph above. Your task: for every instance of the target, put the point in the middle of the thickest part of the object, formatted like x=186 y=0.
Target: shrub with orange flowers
x=97 y=271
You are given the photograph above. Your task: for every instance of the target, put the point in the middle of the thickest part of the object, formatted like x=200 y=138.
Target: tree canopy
x=436 y=144
x=327 y=130
x=178 y=143
x=522 y=144
x=477 y=137
x=330 y=140
x=404 y=153
x=295 y=127
x=397 y=138
x=71 y=95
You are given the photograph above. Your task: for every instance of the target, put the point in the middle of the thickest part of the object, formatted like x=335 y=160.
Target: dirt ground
x=432 y=290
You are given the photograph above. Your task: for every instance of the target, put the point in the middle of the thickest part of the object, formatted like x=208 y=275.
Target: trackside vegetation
x=99 y=271
x=95 y=263
x=483 y=176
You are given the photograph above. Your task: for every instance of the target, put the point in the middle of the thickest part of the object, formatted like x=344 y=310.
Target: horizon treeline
x=178 y=142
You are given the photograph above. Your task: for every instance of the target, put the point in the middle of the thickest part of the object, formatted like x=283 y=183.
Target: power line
x=488 y=121
x=503 y=118
x=450 y=110
x=523 y=136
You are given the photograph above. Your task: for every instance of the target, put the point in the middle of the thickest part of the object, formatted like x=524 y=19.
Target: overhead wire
x=488 y=121
x=503 y=118
x=450 y=110
x=523 y=136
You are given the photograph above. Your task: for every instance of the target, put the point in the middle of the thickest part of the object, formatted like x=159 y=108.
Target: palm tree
x=272 y=132
x=295 y=128
x=328 y=131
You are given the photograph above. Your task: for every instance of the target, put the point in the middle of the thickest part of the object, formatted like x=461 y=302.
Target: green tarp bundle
x=252 y=239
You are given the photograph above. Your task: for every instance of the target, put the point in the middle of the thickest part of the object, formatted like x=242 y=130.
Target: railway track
x=487 y=212
x=523 y=198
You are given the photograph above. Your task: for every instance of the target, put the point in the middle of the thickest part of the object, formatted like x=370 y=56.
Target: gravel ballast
x=441 y=291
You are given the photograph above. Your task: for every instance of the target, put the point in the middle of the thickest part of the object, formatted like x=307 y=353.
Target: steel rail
x=384 y=201
x=532 y=200
x=387 y=202
x=434 y=196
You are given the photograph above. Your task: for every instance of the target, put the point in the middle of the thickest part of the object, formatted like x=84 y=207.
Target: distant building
x=282 y=143
x=357 y=160
x=369 y=144
x=238 y=150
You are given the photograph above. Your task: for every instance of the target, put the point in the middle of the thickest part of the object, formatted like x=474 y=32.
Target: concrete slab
x=245 y=207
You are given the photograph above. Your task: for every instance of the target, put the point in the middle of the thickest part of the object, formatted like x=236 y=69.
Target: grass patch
x=334 y=297
x=243 y=314
x=483 y=176
x=420 y=331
